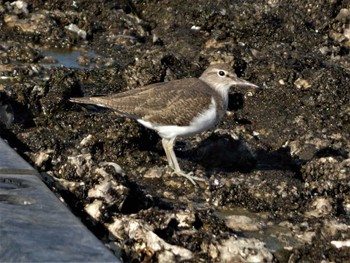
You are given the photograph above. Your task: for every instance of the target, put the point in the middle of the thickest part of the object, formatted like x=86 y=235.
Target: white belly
x=202 y=122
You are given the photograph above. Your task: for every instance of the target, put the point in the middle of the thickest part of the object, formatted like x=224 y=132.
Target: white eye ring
x=221 y=73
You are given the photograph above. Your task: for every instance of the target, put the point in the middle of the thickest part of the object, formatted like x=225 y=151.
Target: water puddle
x=276 y=237
x=68 y=58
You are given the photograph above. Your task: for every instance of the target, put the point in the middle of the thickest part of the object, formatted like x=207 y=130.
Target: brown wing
x=180 y=108
x=172 y=103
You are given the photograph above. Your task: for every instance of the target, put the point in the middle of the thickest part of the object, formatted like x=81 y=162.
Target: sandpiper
x=176 y=108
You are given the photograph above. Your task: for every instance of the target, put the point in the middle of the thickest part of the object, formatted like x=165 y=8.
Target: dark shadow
x=12 y=112
x=77 y=208
x=240 y=66
x=280 y=159
x=135 y=200
x=14 y=142
x=167 y=233
x=224 y=153
x=87 y=107
x=328 y=152
x=235 y=101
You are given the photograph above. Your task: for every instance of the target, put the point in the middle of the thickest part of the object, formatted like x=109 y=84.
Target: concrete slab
x=35 y=226
x=11 y=162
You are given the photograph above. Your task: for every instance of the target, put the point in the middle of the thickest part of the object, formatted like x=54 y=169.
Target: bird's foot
x=189 y=176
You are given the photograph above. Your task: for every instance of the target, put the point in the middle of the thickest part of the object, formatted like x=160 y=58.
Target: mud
x=277 y=166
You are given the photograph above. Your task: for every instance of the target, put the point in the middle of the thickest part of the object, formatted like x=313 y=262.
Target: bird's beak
x=242 y=82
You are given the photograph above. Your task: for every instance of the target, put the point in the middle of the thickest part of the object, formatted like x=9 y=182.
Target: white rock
x=81 y=162
x=118 y=169
x=86 y=140
x=94 y=209
x=185 y=219
x=42 y=157
x=339 y=244
x=347 y=33
x=143 y=236
x=118 y=228
x=21 y=5
x=346 y=206
x=195 y=27
x=243 y=250
x=302 y=84
x=74 y=28
x=242 y=223
x=319 y=207
x=158 y=244
x=100 y=190
x=166 y=257
x=154 y=172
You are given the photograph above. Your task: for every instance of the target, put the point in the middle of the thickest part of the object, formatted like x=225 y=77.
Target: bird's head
x=221 y=77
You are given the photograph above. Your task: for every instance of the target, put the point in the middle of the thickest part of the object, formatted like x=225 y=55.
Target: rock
x=155 y=172
x=20 y=7
x=340 y=244
x=332 y=170
x=144 y=237
x=94 y=209
x=281 y=151
x=75 y=29
x=81 y=162
x=333 y=228
x=42 y=157
x=302 y=84
x=241 y=250
x=242 y=223
x=319 y=207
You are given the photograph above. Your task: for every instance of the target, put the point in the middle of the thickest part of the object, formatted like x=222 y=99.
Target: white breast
x=204 y=121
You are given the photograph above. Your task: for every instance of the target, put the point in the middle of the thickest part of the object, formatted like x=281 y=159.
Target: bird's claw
x=189 y=176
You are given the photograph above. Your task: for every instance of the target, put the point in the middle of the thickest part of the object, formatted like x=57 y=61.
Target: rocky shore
x=277 y=168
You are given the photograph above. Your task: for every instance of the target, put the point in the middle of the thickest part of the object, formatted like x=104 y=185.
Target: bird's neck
x=222 y=91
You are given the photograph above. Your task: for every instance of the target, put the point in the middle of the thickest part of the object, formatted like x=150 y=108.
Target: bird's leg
x=168 y=145
x=165 y=147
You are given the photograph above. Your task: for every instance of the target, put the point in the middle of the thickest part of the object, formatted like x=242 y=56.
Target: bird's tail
x=82 y=100
x=95 y=102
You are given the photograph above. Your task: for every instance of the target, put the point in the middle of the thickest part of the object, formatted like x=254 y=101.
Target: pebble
x=21 y=6
x=302 y=84
x=74 y=28
x=154 y=172
x=242 y=223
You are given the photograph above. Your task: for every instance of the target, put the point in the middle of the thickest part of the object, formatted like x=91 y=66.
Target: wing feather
x=160 y=103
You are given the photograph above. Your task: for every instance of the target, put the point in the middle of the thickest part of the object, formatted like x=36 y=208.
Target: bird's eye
x=221 y=73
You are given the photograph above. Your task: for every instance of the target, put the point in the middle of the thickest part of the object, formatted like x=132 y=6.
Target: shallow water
x=269 y=234
x=66 y=58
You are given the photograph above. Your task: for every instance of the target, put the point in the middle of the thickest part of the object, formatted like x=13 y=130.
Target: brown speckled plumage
x=168 y=103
